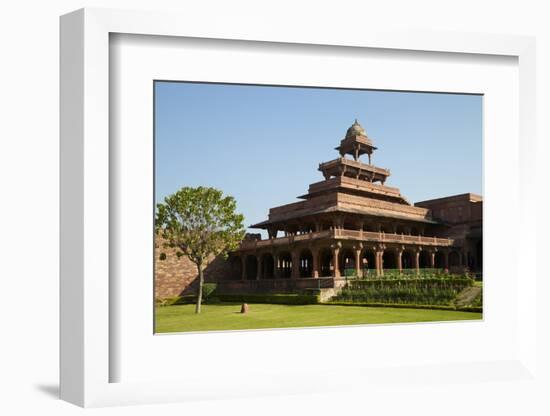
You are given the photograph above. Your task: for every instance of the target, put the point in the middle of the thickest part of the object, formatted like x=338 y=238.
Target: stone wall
x=176 y=276
x=457 y=209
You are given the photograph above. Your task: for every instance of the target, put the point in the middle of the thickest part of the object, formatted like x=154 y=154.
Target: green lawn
x=225 y=316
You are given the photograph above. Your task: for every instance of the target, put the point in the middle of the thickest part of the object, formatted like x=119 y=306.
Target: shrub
x=424 y=273
x=161 y=302
x=421 y=290
x=350 y=273
x=207 y=290
x=477 y=302
x=312 y=292
x=183 y=300
x=282 y=299
x=471 y=309
x=408 y=306
x=176 y=300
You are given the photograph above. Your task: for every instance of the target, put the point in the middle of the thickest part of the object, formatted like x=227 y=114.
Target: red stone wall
x=177 y=276
x=458 y=209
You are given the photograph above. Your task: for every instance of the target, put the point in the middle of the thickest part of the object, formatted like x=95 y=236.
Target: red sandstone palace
x=353 y=224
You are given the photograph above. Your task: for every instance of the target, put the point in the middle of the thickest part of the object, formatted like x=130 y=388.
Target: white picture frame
x=87 y=356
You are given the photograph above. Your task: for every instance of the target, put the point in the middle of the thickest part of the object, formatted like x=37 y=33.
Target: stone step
x=467 y=296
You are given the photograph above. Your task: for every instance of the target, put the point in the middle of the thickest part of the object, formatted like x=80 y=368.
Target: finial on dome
x=356 y=130
x=356 y=142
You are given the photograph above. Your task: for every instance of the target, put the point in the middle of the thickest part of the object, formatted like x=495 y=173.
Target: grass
x=226 y=316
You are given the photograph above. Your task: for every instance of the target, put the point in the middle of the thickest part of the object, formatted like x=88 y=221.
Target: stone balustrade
x=343 y=234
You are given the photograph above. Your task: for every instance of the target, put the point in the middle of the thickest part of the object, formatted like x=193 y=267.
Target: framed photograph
x=352 y=249
x=287 y=213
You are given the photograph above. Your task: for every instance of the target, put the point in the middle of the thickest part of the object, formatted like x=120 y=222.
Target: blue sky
x=263 y=145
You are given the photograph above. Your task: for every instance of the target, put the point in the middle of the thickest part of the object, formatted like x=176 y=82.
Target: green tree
x=200 y=223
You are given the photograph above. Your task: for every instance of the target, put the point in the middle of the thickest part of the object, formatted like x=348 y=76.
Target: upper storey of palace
x=355 y=144
x=351 y=188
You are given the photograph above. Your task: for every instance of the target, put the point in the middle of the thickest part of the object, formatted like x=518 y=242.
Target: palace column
x=378 y=261
x=358 y=248
x=417 y=261
x=315 y=255
x=400 y=259
x=259 y=267
x=276 y=270
x=243 y=267
x=432 y=258
x=335 y=262
x=381 y=255
x=295 y=273
x=446 y=258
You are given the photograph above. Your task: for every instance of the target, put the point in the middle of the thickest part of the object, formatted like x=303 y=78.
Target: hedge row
x=407 y=306
x=403 y=291
x=399 y=274
x=391 y=274
x=309 y=299
x=456 y=283
x=282 y=299
x=176 y=300
x=399 y=295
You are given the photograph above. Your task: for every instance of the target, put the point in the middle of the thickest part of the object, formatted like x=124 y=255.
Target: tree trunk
x=199 y=295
